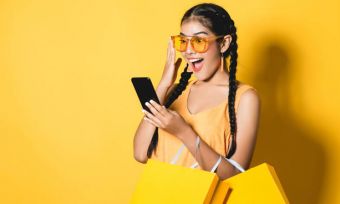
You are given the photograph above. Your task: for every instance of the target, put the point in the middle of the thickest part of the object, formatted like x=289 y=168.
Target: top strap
x=239 y=92
x=213 y=169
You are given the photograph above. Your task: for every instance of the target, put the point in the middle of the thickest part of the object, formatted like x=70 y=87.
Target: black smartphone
x=144 y=90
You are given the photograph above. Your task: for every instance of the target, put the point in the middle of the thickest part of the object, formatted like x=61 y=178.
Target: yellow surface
x=257 y=185
x=220 y=193
x=164 y=183
x=68 y=110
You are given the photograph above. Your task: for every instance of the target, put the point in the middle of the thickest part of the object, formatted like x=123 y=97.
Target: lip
x=197 y=67
x=191 y=59
x=194 y=58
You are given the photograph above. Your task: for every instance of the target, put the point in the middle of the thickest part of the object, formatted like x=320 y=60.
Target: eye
x=183 y=40
x=198 y=40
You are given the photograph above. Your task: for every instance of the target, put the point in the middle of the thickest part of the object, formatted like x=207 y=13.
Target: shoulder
x=247 y=91
x=247 y=96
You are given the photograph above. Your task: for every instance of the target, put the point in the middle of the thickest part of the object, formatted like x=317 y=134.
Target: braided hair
x=183 y=82
x=219 y=22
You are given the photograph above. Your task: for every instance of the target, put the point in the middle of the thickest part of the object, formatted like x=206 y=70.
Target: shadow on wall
x=283 y=140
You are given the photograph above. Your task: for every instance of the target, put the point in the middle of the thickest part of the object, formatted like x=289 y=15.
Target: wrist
x=188 y=135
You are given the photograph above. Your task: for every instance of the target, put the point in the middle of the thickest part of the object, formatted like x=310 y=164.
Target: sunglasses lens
x=180 y=43
x=199 y=44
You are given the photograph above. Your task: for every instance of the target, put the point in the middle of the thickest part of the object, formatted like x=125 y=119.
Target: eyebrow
x=202 y=32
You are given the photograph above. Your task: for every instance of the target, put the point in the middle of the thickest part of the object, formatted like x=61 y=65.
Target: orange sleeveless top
x=212 y=125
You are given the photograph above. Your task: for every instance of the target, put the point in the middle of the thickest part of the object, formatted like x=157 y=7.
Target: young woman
x=208 y=123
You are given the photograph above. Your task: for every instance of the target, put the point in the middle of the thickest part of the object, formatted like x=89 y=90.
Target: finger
x=159 y=108
x=150 y=121
x=173 y=112
x=152 y=118
x=170 y=47
x=171 y=44
x=154 y=111
x=172 y=51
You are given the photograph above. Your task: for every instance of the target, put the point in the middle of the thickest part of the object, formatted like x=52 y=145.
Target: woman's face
x=209 y=61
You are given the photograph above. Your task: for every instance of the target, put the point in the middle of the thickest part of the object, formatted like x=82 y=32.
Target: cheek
x=213 y=57
x=183 y=55
x=214 y=51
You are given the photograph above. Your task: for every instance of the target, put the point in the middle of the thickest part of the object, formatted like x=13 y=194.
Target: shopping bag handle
x=176 y=157
x=213 y=169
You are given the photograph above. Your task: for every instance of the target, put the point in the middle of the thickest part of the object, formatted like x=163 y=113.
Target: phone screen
x=144 y=90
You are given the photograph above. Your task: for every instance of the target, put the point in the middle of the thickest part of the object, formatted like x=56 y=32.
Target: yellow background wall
x=68 y=111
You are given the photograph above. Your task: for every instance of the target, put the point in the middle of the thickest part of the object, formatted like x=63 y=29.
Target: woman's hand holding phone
x=166 y=119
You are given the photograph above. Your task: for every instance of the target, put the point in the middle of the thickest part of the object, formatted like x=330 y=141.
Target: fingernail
x=143 y=111
x=146 y=103
x=151 y=101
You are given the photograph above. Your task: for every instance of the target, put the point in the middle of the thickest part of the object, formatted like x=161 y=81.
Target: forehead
x=194 y=27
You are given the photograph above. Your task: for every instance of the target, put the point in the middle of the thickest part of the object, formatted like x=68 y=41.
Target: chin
x=202 y=75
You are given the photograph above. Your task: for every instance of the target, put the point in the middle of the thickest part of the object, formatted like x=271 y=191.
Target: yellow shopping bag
x=167 y=183
x=257 y=185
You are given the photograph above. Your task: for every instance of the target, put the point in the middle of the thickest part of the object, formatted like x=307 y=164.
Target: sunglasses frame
x=206 y=39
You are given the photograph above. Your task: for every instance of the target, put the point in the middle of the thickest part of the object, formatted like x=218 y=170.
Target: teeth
x=194 y=60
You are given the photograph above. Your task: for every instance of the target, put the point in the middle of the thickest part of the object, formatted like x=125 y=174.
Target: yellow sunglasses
x=198 y=44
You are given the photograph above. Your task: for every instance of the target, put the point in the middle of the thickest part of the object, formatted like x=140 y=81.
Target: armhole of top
x=239 y=92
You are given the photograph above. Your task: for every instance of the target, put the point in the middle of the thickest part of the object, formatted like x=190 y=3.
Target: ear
x=225 y=43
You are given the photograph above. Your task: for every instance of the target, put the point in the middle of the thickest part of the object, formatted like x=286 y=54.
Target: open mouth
x=197 y=64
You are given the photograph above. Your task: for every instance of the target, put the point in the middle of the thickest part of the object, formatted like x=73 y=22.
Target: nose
x=189 y=49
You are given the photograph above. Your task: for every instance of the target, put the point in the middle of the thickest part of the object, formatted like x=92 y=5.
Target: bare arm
x=146 y=130
x=247 y=125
